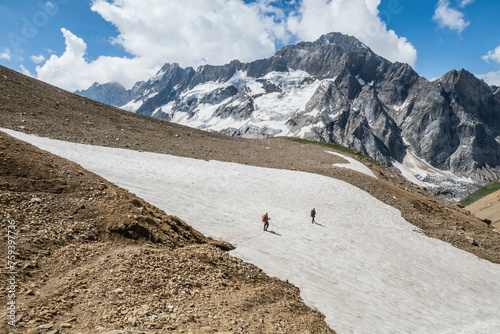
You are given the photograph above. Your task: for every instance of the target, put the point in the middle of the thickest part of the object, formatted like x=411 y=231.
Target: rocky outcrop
x=453 y=124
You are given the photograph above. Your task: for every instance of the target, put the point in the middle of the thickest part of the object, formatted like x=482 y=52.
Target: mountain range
x=442 y=134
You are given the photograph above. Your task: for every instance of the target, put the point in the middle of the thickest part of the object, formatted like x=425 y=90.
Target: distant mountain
x=442 y=134
x=111 y=93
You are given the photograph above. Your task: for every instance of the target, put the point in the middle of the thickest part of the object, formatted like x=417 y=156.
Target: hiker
x=313 y=214
x=265 y=219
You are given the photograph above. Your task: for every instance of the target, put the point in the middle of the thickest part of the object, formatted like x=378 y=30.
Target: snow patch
x=362 y=82
x=255 y=87
x=151 y=95
x=367 y=270
x=272 y=110
x=201 y=89
x=403 y=106
x=287 y=79
x=158 y=76
x=313 y=113
x=353 y=164
x=132 y=105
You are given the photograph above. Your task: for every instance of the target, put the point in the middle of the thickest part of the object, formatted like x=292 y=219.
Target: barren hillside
x=488 y=208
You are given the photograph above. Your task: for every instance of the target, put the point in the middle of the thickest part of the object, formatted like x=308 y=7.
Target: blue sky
x=73 y=43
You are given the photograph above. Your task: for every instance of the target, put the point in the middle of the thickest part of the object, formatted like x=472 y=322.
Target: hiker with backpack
x=265 y=220
x=313 y=214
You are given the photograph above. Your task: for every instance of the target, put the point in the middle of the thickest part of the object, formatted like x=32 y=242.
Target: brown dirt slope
x=487 y=208
x=93 y=258
x=34 y=107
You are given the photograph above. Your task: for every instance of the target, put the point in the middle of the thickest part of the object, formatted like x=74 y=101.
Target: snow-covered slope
x=270 y=110
x=362 y=264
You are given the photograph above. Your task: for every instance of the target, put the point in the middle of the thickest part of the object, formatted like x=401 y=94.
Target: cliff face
x=442 y=133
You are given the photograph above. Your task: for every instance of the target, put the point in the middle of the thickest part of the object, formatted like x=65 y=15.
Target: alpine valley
x=442 y=134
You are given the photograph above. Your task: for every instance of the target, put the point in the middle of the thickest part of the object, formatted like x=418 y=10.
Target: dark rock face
x=453 y=124
x=349 y=96
x=166 y=87
x=215 y=73
x=240 y=106
x=331 y=54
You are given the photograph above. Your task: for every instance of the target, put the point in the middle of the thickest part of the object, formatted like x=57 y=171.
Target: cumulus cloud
x=450 y=18
x=25 y=71
x=197 y=32
x=72 y=71
x=491 y=78
x=153 y=32
x=5 y=54
x=464 y=3
x=359 y=18
x=37 y=59
x=492 y=55
x=192 y=32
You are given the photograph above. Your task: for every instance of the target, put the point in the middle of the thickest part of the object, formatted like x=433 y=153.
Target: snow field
x=362 y=265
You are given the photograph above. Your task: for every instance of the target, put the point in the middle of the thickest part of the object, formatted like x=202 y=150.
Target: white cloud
x=5 y=54
x=38 y=59
x=492 y=55
x=359 y=18
x=491 y=78
x=72 y=71
x=25 y=71
x=464 y=3
x=447 y=17
x=50 y=5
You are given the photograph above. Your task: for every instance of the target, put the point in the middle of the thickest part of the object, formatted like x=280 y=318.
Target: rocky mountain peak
x=338 y=90
x=343 y=41
x=463 y=78
x=330 y=54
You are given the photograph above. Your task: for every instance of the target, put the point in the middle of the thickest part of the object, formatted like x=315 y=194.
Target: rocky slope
x=441 y=134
